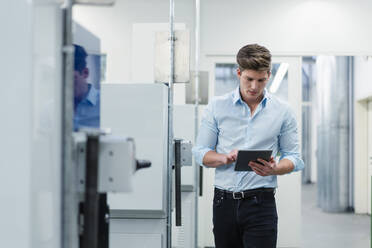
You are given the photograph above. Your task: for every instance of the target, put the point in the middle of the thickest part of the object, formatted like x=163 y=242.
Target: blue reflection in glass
x=86 y=94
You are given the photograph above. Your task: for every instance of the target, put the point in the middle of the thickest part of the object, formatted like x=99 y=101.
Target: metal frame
x=170 y=124
x=70 y=238
x=198 y=171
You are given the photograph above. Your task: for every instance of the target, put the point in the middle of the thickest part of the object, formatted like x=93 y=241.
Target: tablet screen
x=245 y=156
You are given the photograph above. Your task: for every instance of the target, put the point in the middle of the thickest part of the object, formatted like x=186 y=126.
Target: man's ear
x=238 y=72
x=85 y=72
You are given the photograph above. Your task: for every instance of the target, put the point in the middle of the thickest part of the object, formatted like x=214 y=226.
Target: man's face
x=80 y=81
x=252 y=84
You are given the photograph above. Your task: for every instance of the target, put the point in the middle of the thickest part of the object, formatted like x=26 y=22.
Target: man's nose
x=254 y=85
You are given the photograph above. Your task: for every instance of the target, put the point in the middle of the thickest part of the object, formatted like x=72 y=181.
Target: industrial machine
x=104 y=164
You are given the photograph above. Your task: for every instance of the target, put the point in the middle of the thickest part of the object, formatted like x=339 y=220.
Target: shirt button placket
x=249 y=130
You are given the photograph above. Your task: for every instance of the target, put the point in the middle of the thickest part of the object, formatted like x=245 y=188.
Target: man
x=86 y=97
x=244 y=209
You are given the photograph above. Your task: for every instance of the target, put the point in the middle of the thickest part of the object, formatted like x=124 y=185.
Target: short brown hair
x=254 y=57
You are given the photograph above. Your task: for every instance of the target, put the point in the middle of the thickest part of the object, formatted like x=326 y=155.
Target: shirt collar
x=237 y=97
x=92 y=96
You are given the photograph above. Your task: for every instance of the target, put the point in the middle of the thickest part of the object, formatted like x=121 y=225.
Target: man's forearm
x=214 y=159
x=284 y=166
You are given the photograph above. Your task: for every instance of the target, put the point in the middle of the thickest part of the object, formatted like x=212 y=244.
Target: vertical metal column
x=198 y=169
x=69 y=229
x=334 y=134
x=307 y=109
x=351 y=134
x=170 y=123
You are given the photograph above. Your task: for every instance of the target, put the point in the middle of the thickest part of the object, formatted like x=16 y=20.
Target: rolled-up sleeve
x=207 y=135
x=289 y=146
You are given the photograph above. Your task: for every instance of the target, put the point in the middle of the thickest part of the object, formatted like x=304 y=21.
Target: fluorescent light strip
x=283 y=68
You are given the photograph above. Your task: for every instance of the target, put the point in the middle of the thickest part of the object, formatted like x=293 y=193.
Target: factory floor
x=331 y=230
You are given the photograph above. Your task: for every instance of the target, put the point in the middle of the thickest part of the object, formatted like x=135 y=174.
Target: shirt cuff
x=199 y=154
x=297 y=162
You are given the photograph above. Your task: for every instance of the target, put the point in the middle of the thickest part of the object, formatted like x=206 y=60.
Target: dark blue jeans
x=246 y=223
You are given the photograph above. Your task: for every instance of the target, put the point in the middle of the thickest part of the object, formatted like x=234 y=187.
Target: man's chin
x=251 y=97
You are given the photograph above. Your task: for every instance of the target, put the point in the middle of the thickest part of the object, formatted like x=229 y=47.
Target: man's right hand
x=213 y=159
x=231 y=157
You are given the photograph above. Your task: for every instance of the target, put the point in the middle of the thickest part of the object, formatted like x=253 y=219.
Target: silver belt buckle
x=240 y=195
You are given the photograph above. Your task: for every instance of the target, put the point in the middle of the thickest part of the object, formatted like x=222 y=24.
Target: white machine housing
x=139 y=218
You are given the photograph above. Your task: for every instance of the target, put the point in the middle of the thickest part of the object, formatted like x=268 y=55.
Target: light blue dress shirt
x=227 y=124
x=87 y=111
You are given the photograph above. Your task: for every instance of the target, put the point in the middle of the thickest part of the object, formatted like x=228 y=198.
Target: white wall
x=30 y=124
x=287 y=26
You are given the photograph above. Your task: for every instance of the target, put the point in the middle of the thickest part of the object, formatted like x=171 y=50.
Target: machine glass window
x=88 y=75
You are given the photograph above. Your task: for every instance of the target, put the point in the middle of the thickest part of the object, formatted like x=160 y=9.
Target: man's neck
x=254 y=103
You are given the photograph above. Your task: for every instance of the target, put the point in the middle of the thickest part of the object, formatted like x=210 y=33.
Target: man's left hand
x=267 y=168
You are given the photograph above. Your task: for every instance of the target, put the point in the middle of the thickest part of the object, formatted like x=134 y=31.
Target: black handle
x=177 y=149
x=141 y=164
x=91 y=235
x=200 y=181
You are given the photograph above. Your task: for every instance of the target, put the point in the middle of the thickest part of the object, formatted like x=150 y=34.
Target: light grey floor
x=330 y=230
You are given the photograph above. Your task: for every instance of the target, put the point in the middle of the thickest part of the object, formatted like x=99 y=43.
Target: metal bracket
x=186 y=153
x=117 y=163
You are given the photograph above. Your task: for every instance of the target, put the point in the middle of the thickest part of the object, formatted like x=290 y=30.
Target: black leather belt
x=246 y=193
